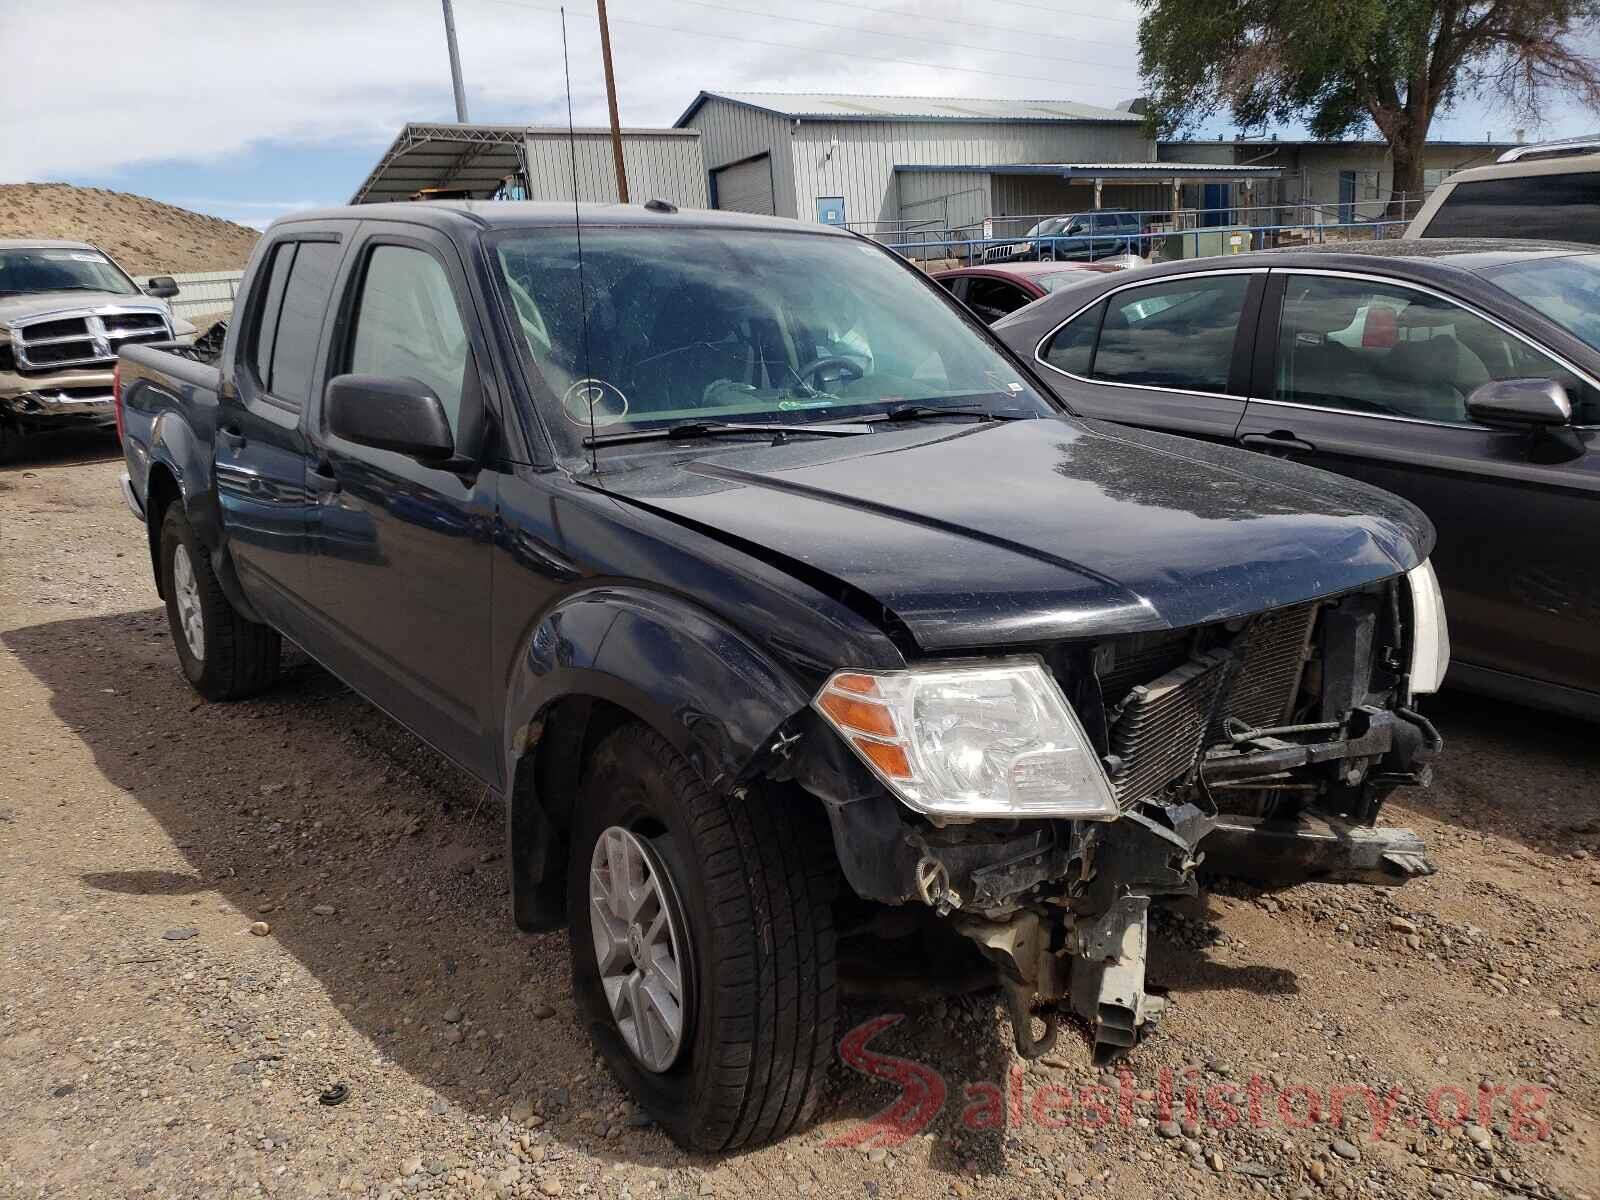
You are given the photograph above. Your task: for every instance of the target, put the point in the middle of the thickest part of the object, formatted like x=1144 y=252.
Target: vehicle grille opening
x=1163 y=727
x=86 y=339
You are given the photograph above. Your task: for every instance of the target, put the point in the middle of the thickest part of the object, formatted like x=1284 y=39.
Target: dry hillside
x=144 y=235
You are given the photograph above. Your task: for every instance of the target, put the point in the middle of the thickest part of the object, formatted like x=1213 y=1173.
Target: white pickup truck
x=65 y=311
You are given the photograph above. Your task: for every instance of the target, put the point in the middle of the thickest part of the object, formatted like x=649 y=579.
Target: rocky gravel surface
x=263 y=948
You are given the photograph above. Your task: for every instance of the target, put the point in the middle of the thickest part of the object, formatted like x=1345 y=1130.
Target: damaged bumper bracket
x=1108 y=976
x=1313 y=850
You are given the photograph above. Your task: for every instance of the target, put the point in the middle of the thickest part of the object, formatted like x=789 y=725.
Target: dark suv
x=794 y=623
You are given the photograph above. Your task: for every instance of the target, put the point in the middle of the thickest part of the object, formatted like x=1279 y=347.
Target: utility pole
x=611 y=102
x=455 y=62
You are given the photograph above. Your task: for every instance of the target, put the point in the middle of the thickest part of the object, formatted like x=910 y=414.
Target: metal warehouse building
x=536 y=163
x=879 y=163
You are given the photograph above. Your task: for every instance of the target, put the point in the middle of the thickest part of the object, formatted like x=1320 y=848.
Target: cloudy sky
x=250 y=108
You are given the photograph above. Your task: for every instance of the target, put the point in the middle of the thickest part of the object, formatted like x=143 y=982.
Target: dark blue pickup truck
x=799 y=630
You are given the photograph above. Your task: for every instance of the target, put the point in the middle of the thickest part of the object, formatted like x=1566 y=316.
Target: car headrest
x=1319 y=314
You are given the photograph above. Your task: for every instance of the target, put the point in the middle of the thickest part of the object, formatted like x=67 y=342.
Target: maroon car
x=996 y=290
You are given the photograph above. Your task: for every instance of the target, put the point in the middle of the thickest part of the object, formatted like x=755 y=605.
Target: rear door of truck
x=261 y=447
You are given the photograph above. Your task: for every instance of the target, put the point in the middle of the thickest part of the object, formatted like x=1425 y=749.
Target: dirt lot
x=152 y=1044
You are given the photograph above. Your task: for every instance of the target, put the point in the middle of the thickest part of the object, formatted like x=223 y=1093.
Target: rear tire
x=751 y=882
x=223 y=656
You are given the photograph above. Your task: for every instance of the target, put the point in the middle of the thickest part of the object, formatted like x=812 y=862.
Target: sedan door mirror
x=1521 y=402
x=162 y=287
x=399 y=414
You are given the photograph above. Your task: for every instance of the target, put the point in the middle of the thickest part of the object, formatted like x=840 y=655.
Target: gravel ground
x=212 y=915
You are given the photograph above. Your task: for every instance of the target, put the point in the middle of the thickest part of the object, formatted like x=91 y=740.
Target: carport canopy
x=1140 y=172
x=474 y=158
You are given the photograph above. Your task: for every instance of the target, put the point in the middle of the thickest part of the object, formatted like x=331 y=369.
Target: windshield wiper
x=699 y=429
x=920 y=412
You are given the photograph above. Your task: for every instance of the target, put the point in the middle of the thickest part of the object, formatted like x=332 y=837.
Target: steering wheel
x=849 y=371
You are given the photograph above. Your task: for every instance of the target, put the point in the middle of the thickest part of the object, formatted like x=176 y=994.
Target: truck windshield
x=697 y=325
x=56 y=269
x=1567 y=290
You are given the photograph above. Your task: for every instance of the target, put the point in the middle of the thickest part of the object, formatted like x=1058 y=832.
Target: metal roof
x=474 y=157
x=1330 y=143
x=846 y=107
x=1159 y=171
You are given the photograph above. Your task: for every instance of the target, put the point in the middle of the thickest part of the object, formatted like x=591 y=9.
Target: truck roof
x=45 y=244
x=503 y=214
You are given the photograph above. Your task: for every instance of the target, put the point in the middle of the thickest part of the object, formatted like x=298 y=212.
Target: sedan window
x=992 y=299
x=1174 y=335
x=1384 y=348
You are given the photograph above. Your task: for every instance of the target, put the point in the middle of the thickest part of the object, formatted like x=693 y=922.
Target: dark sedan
x=1462 y=375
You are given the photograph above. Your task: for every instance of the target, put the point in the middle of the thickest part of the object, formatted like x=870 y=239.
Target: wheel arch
x=611 y=655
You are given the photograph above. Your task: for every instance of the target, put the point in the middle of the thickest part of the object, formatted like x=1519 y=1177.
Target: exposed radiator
x=1275 y=649
x=1166 y=724
x=1163 y=725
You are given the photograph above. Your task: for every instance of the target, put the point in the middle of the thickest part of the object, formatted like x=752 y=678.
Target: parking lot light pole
x=455 y=62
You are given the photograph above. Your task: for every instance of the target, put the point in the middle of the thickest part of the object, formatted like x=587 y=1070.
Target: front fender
x=699 y=682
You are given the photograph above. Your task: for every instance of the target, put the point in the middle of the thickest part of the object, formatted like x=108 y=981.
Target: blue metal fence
x=1159 y=246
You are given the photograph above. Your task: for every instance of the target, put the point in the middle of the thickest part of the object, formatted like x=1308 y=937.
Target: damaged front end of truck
x=1038 y=803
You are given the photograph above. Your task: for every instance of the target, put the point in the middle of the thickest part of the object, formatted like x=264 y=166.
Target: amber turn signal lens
x=891 y=760
x=860 y=715
x=861 y=685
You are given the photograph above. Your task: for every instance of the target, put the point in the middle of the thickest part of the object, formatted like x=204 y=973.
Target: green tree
x=1338 y=65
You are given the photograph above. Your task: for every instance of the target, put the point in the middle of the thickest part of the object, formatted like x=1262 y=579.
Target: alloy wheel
x=640 y=946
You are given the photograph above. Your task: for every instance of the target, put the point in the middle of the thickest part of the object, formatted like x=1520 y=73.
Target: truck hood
x=12 y=307
x=982 y=535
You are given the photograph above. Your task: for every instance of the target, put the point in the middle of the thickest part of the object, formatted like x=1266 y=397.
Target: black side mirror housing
x=398 y=414
x=162 y=287
x=1521 y=403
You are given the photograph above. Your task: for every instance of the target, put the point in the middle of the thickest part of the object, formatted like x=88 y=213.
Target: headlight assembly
x=993 y=739
x=1430 y=634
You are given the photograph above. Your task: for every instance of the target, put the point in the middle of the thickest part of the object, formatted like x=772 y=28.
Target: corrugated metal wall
x=1037 y=195
x=949 y=199
x=732 y=133
x=664 y=166
x=856 y=159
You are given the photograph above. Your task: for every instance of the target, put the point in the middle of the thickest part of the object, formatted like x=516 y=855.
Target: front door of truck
x=400 y=571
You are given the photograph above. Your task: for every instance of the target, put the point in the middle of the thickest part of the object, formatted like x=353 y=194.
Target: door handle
x=323 y=481
x=230 y=437
x=1280 y=440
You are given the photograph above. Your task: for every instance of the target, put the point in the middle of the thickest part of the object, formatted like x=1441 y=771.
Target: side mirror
x=1520 y=402
x=403 y=415
x=162 y=287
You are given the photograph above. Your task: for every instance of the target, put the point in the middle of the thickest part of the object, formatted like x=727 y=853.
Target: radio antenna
x=588 y=391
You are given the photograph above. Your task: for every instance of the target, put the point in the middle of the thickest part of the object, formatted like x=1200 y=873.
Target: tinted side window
x=1383 y=348
x=407 y=325
x=266 y=315
x=300 y=320
x=1071 y=348
x=1173 y=335
x=992 y=299
x=1562 y=207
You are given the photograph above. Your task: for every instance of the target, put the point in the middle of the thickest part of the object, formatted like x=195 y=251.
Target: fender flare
x=699 y=682
x=175 y=448
x=696 y=680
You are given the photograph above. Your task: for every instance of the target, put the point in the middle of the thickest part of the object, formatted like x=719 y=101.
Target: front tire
x=746 y=887
x=223 y=656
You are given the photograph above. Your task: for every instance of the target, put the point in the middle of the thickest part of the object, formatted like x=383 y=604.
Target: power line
x=790 y=46
x=750 y=12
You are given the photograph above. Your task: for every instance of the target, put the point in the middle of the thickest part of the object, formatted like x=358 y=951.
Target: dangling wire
x=577 y=220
